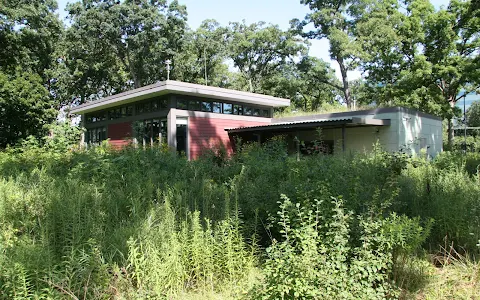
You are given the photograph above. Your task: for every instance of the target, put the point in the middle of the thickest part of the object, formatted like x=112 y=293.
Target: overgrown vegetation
x=143 y=224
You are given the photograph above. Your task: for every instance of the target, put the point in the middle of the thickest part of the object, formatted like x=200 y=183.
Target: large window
x=96 y=135
x=154 y=131
x=221 y=107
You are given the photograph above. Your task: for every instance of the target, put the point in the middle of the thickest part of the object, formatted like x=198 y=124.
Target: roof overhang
x=183 y=88
x=289 y=126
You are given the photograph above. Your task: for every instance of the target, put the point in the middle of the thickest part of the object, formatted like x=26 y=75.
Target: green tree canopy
x=113 y=46
x=25 y=107
x=473 y=115
x=259 y=50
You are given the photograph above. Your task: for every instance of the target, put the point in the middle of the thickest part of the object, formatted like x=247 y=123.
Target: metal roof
x=354 y=121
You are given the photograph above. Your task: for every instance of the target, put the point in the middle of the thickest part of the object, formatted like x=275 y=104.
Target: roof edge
x=355 y=113
x=172 y=86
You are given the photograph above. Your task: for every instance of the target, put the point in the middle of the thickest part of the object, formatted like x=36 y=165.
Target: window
x=130 y=110
x=237 y=110
x=163 y=131
x=207 y=106
x=162 y=103
x=265 y=113
x=155 y=105
x=248 y=111
x=217 y=107
x=227 y=108
x=256 y=112
x=194 y=105
x=182 y=104
x=96 y=135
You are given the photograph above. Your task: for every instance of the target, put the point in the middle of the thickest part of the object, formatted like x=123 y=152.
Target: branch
x=322 y=80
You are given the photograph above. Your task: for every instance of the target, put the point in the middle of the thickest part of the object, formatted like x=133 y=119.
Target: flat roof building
x=191 y=117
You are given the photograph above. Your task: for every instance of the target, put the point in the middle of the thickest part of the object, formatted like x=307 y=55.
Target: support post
x=343 y=138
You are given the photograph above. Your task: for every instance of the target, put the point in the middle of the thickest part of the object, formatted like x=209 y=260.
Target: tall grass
x=143 y=224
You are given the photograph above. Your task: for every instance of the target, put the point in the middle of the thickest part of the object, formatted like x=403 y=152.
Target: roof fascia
x=176 y=87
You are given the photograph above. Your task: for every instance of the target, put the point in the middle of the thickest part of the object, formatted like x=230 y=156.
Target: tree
x=25 y=107
x=304 y=83
x=258 y=51
x=419 y=57
x=114 y=46
x=335 y=20
x=29 y=32
x=203 y=56
x=473 y=115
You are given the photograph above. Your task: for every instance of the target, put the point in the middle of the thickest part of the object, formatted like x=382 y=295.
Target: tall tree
x=203 y=57
x=29 y=33
x=114 y=46
x=258 y=50
x=473 y=115
x=335 y=21
x=303 y=82
x=25 y=107
x=426 y=57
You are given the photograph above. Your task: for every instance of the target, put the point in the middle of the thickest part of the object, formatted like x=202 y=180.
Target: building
x=190 y=118
x=395 y=128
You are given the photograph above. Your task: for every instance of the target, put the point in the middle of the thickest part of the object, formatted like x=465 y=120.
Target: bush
x=319 y=258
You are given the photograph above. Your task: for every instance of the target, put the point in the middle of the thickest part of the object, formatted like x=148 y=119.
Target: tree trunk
x=346 y=88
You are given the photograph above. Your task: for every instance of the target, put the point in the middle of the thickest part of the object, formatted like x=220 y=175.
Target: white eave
x=183 y=88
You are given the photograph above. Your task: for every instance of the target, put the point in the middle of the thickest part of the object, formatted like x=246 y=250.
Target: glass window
x=111 y=114
x=163 y=131
x=207 y=106
x=194 y=105
x=248 y=111
x=154 y=105
x=139 y=109
x=256 y=112
x=237 y=109
x=162 y=103
x=124 y=112
x=265 y=113
x=227 y=108
x=182 y=104
x=217 y=107
x=147 y=107
x=130 y=110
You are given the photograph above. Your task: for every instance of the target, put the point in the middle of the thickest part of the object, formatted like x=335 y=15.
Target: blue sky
x=278 y=12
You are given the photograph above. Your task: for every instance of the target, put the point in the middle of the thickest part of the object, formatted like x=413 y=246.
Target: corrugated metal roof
x=292 y=124
x=314 y=123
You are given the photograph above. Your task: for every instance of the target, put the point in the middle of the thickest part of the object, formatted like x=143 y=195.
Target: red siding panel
x=119 y=134
x=205 y=133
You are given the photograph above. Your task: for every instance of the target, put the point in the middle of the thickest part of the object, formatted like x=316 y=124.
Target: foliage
x=473 y=114
x=29 y=32
x=258 y=50
x=319 y=258
x=25 y=107
x=335 y=20
x=112 y=46
x=137 y=223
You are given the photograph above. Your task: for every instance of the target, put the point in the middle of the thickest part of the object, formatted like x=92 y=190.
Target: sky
x=278 y=12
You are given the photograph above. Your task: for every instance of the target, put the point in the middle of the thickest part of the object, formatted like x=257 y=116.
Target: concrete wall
x=417 y=132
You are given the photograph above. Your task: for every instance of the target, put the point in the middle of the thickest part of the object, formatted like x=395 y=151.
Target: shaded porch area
x=307 y=137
